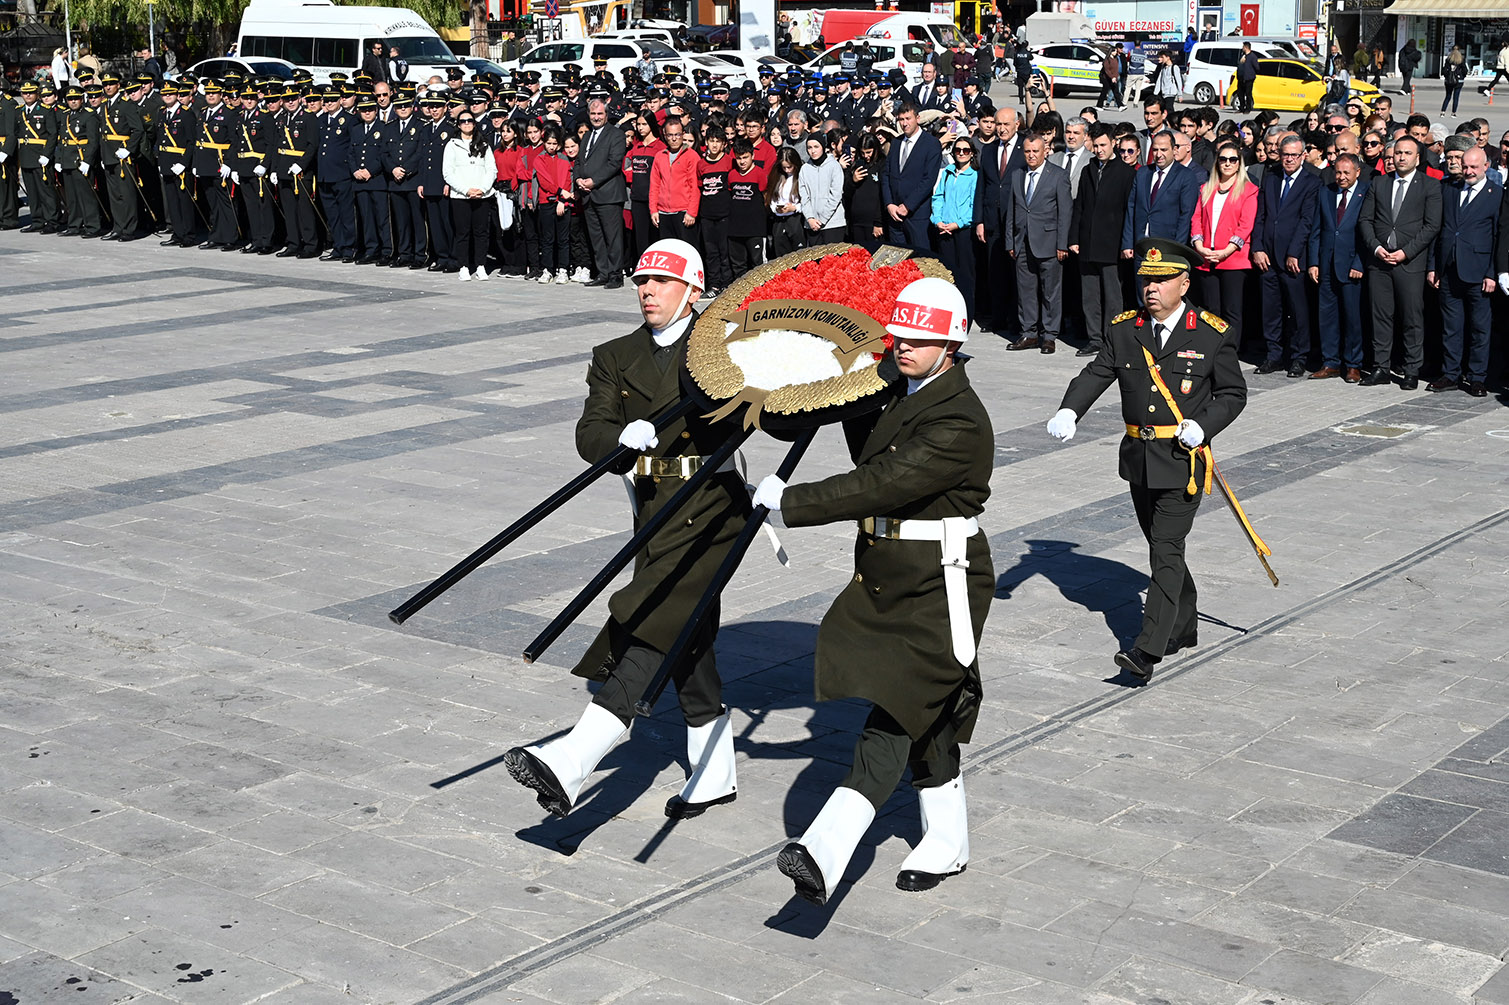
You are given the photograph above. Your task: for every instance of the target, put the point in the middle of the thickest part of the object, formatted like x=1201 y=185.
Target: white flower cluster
x=781 y=358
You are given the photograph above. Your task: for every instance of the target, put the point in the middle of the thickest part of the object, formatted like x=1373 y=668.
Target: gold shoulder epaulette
x=1123 y=316
x=1214 y=321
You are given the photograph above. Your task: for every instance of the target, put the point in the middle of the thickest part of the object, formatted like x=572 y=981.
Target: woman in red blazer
x=1219 y=230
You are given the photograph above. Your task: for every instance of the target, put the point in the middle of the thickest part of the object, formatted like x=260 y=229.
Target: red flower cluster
x=845 y=279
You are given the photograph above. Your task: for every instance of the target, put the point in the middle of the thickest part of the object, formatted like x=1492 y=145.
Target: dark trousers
x=178 y=206
x=151 y=195
x=471 y=221
x=83 y=203
x=885 y=750
x=1003 y=289
x=1101 y=285
x=715 y=252
x=377 y=234
x=120 y=186
x=1285 y=309
x=785 y=235
x=645 y=232
x=339 y=202
x=1039 y=284
x=581 y=251
x=529 y=227
x=438 y=217
x=1242 y=101
x=863 y=234
x=408 y=226
x=1466 y=320
x=10 y=199
x=1221 y=291
x=217 y=196
x=675 y=225
x=911 y=232
x=299 y=214
x=829 y=235
x=957 y=252
x=1341 y=333
x=605 y=229
x=555 y=237
x=40 y=195
x=744 y=253
x=699 y=689
x=256 y=197
x=1398 y=303
x=1166 y=517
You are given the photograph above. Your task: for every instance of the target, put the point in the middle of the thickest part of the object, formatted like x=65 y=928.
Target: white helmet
x=674 y=258
x=930 y=309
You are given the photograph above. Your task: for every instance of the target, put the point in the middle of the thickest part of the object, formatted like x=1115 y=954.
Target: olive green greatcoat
x=674 y=568
x=886 y=638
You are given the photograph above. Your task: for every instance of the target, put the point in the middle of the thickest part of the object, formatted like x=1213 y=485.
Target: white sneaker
x=464 y=276
x=546 y=278
x=482 y=273
x=581 y=276
x=562 y=278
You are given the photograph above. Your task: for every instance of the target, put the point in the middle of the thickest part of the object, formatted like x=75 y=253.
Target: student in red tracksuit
x=528 y=203
x=674 y=191
x=506 y=153
x=551 y=185
x=637 y=162
x=714 y=207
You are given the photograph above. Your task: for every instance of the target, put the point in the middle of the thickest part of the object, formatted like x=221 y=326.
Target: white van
x=1213 y=65
x=326 y=38
x=938 y=29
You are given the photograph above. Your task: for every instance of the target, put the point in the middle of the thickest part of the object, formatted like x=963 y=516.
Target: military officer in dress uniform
x=36 y=147
x=294 y=134
x=120 y=143
x=212 y=169
x=903 y=633
x=405 y=155
x=149 y=100
x=1180 y=386
x=631 y=380
x=251 y=145
x=371 y=143
x=10 y=173
x=175 y=148
x=334 y=169
x=77 y=153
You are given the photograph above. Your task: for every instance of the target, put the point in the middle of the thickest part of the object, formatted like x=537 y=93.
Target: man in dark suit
x=906 y=187
x=997 y=160
x=1463 y=271
x=599 y=174
x=1036 y=215
x=1171 y=414
x=925 y=95
x=1162 y=200
x=1095 y=234
x=1335 y=263
x=1401 y=217
x=1280 y=234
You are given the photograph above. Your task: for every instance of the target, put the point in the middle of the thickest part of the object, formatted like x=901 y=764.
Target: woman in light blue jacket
x=822 y=188
x=953 y=209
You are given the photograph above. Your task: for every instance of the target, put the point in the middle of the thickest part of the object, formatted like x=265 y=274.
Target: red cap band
x=662 y=261
x=927 y=319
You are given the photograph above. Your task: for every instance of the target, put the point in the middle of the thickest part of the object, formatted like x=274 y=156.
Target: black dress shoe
x=306 y=255
x=366 y=260
x=679 y=809
x=1024 y=343
x=1268 y=366
x=1087 y=351
x=232 y=247
x=533 y=773
x=1137 y=663
x=67 y=232
x=330 y=256
x=169 y=242
x=32 y=228
x=1049 y=347
x=109 y=235
x=287 y=253
x=599 y=281
x=416 y=265
x=1442 y=384
x=1188 y=642
x=131 y=237
x=797 y=864
x=1297 y=368
x=248 y=249
x=434 y=267
x=347 y=259
x=209 y=245
x=616 y=283
x=915 y=880
x=1409 y=383
x=1377 y=378
x=1476 y=388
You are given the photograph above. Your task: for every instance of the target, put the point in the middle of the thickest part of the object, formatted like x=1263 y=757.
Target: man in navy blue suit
x=1463 y=271
x=1162 y=200
x=1280 y=234
x=906 y=187
x=1336 y=264
x=997 y=160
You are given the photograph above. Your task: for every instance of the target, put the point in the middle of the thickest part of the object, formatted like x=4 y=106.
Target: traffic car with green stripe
x=1072 y=66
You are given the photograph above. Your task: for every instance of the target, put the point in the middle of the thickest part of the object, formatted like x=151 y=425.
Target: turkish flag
x=1249 y=19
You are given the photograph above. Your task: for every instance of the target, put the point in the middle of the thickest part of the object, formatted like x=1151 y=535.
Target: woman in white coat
x=470 y=170
x=822 y=188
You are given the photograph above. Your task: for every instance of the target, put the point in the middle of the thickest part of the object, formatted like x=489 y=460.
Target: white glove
x=225 y=170
x=1190 y=433
x=768 y=494
x=177 y=169
x=84 y=168
x=121 y=153
x=1061 y=426
x=273 y=177
x=236 y=177
x=259 y=170
x=5 y=157
x=295 y=169
x=1503 y=282
x=43 y=161
x=639 y=435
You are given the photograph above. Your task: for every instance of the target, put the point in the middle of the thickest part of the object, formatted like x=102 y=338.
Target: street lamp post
x=151 y=29
x=68 y=31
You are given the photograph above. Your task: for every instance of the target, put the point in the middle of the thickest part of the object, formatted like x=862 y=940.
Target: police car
x=1073 y=66
x=889 y=55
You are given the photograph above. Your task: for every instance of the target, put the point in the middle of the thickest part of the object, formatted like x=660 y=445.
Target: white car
x=1072 y=66
x=1212 y=65
x=906 y=56
x=734 y=66
x=620 y=54
x=255 y=66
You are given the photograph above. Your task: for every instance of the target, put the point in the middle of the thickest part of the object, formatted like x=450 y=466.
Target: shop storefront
x=1475 y=26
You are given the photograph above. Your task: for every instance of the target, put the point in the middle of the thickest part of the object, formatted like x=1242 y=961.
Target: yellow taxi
x=1291 y=85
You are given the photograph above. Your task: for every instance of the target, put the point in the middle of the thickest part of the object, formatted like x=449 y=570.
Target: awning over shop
x=1450 y=8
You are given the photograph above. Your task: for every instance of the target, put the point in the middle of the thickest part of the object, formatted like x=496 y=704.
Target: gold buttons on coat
x=1150 y=408
x=858 y=578
x=686 y=434
x=892 y=448
x=623 y=394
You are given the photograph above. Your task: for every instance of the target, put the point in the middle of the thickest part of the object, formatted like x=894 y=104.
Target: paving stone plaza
x=225 y=777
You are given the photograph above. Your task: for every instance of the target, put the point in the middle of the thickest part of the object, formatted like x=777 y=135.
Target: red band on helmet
x=662 y=261
x=927 y=319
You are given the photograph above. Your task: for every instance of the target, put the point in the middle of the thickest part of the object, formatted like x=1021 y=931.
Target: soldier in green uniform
x=49 y=100
x=10 y=173
x=295 y=133
x=37 y=141
x=122 y=130
x=149 y=99
x=215 y=129
x=1180 y=386
x=77 y=153
x=631 y=380
x=175 y=150
x=903 y=633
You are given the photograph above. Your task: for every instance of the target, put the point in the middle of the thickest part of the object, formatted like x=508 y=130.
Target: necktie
x=1399 y=186
x=1001 y=165
x=1341 y=207
x=1466 y=198
x=1157 y=183
x=906 y=151
x=591 y=141
x=1288 y=180
x=1031 y=185
x=1162 y=333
